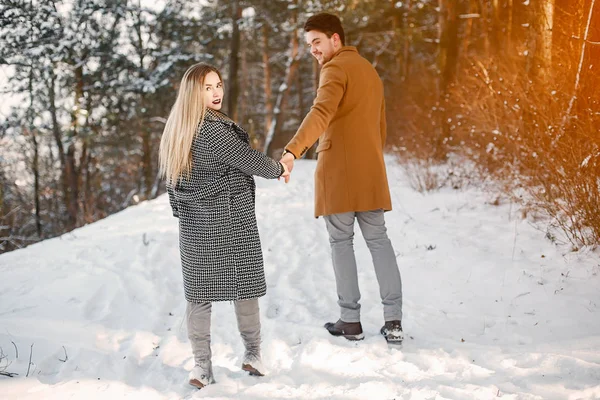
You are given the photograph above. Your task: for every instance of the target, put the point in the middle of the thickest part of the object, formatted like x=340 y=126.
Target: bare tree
x=274 y=140
x=35 y=165
x=584 y=44
x=267 y=78
x=408 y=38
x=234 y=58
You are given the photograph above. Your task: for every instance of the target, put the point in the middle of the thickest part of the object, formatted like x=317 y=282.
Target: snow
x=469 y=16
x=492 y=308
x=9 y=100
x=248 y=12
x=585 y=162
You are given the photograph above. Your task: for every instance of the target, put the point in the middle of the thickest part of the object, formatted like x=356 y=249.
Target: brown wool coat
x=348 y=118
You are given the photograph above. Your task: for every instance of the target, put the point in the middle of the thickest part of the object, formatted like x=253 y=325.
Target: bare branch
x=16 y=349
x=3 y=368
x=66 y=356
x=30 y=355
x=10 y=212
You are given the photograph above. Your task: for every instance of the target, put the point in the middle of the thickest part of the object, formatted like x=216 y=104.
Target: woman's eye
x=208 y=89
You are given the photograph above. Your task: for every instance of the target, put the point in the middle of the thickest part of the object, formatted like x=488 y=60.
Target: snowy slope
x=492 y=309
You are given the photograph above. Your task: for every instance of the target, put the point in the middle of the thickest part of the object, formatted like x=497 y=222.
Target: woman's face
x=213 y=91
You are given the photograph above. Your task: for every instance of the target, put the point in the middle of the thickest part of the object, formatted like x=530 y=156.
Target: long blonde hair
x=175 y=156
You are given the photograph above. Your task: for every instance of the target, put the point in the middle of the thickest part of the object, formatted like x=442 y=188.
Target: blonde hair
x=175 y=156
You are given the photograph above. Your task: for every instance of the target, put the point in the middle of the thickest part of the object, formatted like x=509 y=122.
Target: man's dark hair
x=326 y=23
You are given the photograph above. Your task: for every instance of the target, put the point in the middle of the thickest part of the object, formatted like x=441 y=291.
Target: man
x=348 y=116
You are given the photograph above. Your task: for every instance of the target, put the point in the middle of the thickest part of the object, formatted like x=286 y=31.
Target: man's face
x=321 y=47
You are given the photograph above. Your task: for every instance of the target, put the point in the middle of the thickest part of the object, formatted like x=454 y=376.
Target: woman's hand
x=286 y=173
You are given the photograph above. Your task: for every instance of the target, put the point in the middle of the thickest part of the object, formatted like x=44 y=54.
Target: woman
x=208 y=163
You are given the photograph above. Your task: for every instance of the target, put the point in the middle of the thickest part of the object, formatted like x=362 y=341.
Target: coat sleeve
x=173 y=200
x=329 y=95
x=231 y=150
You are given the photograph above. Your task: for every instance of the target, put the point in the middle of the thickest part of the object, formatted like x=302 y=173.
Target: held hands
x=286 y=173
x=287 y=160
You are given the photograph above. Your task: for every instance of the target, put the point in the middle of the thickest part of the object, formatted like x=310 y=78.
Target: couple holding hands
x=209 y=167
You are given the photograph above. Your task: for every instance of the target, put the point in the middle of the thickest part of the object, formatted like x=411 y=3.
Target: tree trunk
x=408 y=39
x=397 y=25
x=485 y=26
x=36 y=176
x=36 y=158
x=496 y=35
x=56 y=132
x=234 y=49
x=469 y=28
x=267 y=79
x=441 y=25
x=546 y=37
x=453 y=44
x=449 y=43
x=89 y=193
x=144 y=133
x=300 y=92
x=580 y=65
x=147 y=161
x=71 y=165
x=447 y=64
x=242 y=108
x=540 y=48
x=274 y=140
x=312 y=152
x=509 y=23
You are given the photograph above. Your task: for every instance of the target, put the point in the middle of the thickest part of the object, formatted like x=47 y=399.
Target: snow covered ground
x=492 y=308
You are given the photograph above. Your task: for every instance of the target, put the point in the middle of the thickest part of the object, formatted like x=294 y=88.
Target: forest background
x=500 y=94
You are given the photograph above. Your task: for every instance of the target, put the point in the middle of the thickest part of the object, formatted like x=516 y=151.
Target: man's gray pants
x=341 y=235
x=198 y=324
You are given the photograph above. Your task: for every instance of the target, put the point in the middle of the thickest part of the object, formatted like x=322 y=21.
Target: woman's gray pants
x=341 y=235
x=198 y=324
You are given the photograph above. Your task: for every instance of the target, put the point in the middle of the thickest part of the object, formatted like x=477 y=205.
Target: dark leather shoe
x=392 y=331
x=349 y=330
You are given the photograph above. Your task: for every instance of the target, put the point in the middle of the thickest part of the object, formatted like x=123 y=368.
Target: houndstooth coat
x=219 y=244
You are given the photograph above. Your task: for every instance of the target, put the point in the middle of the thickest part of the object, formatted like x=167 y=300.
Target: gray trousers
x=198 y=324
x=341 y=235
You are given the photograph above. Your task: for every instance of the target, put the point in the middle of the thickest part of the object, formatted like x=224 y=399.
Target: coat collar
x=343 y=49
x=214 y=115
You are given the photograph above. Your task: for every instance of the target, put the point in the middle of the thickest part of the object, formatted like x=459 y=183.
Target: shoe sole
x=196 y=383
x=395 y=345
x=393 y=339
x=360 y=336
x=251 y=370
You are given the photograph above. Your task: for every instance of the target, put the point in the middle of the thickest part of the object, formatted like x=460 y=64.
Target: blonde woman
x=209 y=166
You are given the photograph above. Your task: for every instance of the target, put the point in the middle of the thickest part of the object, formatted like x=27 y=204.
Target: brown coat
x=348 y=116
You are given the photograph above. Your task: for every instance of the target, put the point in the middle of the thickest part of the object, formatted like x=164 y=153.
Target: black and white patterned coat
x=219 y=244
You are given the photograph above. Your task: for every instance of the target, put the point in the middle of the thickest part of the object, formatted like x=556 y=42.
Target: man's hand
x=288 y=160
x=286 y=173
